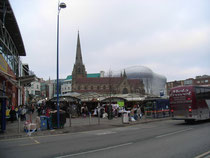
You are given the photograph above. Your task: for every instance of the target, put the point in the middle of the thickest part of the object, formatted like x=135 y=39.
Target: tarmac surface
x=80 y=124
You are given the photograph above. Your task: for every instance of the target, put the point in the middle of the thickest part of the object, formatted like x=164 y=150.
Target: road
x=162 y=139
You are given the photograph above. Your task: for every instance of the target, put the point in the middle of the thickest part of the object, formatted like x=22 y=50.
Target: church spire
x=78 y=52
x=79 y=67
x=124 y=74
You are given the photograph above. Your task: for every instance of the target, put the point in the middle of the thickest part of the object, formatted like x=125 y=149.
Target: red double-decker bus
x=190 y=103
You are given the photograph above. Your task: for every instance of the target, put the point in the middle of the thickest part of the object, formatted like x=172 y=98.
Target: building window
x=206 y=81
x=78 y=87
x=104 y=87
x=91 y=87
x=98 y=87
x=188 y=82
x=85 y=87
x=198 y=82
x=125 y=91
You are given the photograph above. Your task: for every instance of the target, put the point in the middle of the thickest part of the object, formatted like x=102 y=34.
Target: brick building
x=199 y=80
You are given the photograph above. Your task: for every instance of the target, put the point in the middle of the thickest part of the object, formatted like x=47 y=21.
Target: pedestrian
x=17 y=114
x=132 y=115
x=83 y=111
x=12 y=114
x=32 y=108
x=47 y=114
x=23 y=114
x=139 y=112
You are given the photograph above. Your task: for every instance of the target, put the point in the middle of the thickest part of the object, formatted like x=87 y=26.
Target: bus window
x=202 y=90
x=203 y=93
x=197 y=90
x=207 y=93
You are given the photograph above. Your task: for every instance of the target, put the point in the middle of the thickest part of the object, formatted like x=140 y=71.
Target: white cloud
x=116 y=34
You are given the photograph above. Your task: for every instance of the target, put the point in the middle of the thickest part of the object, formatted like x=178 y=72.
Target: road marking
x=97 y=150
x=105 y=133
x=204 y=155
x=34 y=142
x=28 y=144
x=168 y=134
x=14 y=139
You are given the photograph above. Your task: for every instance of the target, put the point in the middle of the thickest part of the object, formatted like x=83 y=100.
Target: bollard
x=69 y=119
x=18 y=124
x=98 y=116
x=89 y=118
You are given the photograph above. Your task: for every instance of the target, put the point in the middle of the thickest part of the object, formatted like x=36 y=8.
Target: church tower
x=79 y=68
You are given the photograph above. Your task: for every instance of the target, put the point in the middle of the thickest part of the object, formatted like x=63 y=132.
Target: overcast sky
x=171 y=37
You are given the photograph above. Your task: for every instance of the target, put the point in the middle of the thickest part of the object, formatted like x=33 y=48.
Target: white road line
x=36 y=141
x=105 y=133
x=97 y=150
x=203 y=155
x=27 y=144
x=168 y=134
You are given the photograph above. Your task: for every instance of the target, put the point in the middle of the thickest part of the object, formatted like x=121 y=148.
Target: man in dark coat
x=12 y=114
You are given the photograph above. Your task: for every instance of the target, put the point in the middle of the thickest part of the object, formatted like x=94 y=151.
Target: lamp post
x=60 y=6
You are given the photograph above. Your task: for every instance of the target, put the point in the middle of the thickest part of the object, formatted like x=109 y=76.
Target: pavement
x=80 y=124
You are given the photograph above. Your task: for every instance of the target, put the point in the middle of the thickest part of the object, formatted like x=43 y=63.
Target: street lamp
x=60 y=6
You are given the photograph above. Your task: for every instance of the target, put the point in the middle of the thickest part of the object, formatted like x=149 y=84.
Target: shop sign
x=121 y=103
x=3 y=64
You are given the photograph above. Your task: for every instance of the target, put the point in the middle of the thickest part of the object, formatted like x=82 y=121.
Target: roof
x=69 y=77
x=94 y=75
x=107 y=80
x=12 y=26
x=103 y=80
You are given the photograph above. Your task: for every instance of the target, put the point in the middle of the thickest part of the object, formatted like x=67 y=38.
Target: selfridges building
x=153 y=82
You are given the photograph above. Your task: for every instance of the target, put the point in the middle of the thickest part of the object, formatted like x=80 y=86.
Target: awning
x=3 y=97
x=9 y=78
x=25 y=80
x=67 y=99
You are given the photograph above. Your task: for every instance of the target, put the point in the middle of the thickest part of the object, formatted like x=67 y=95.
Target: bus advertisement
x=190 y=103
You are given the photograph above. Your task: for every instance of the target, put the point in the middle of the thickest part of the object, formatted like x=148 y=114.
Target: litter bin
x=50 y=126
x=125 y=117
x=54 y=123
x=43 y=120
x=109 y=111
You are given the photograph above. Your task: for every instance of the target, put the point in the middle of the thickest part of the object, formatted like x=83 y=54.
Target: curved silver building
x=153 y=83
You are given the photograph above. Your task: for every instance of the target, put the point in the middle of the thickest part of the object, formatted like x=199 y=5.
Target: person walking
x=47 y=114
x=139 y=112
x=16 y=111
x=12 y=114
x=23 y=113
